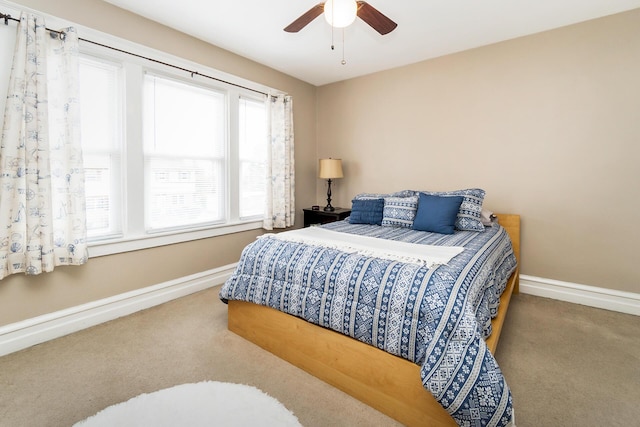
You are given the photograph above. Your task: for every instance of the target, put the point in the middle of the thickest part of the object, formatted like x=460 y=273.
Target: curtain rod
x=7 y=18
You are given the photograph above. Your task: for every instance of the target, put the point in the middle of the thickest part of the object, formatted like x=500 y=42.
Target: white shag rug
x=209 y=403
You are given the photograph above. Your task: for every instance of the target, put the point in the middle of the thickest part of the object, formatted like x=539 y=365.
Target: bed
x=410 y=357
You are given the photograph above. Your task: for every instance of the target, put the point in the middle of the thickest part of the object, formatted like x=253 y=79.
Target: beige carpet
x=567 y=365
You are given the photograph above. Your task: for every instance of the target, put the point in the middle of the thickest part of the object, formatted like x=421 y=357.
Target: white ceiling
x=426 y=29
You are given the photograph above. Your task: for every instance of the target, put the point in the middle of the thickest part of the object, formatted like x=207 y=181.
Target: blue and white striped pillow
x=403 y=193
x=399 y=211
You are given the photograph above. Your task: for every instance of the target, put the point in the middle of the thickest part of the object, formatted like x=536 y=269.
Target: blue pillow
x=469 y=215
x=437 y=214
x=366 y=211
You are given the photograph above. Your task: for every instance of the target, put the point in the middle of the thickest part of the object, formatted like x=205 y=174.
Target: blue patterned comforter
x=437 y=318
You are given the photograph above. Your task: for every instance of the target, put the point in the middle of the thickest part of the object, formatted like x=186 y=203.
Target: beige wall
x=548 y=125
x=23 y=297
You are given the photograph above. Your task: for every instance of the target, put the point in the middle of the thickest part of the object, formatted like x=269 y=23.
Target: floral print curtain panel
x=42 y=204
x=281 y=209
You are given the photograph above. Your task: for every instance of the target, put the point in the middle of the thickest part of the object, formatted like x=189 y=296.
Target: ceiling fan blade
x=375 y=19
x=305 y=19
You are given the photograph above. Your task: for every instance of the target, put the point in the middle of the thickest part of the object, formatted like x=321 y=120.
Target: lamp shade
x=340 y=13
x=330 y=169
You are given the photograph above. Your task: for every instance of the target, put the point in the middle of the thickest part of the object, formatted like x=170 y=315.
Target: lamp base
x=329 y=208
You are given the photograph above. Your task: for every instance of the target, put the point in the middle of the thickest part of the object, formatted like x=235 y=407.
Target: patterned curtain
x=42 y=205
x=281 y=211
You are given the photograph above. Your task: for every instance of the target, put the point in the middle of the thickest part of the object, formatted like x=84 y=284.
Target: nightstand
x=314 y=217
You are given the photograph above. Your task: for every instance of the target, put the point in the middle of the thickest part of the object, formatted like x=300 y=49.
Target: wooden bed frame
x=385 y=382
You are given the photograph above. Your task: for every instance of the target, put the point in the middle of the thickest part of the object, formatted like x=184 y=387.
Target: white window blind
x=185 y=156
x=252 y=157
x=101 y=132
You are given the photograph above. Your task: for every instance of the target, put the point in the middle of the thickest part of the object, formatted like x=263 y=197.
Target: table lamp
x=330 y=169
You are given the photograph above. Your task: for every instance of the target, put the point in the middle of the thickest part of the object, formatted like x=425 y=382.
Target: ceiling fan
x=363 y=10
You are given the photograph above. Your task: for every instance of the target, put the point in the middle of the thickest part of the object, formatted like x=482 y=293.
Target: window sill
x=116 y=246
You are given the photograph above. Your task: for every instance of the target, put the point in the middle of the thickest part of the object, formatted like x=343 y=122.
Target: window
x=253 y=157
x=101 y=130
x=168 y=157
x=184 y=149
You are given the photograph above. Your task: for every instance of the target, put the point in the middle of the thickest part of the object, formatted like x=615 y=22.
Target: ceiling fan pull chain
x=343 y=61
x=332 y=28
x=333 y=47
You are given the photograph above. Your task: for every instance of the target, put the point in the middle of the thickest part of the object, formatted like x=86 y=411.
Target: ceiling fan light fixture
x=340 y=13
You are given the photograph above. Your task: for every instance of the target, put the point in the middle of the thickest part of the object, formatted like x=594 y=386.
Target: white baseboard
x=609 y=299
x=20 y=335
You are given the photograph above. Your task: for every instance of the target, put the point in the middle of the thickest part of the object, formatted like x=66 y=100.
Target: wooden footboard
x=386 y=382
x=383 y=381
